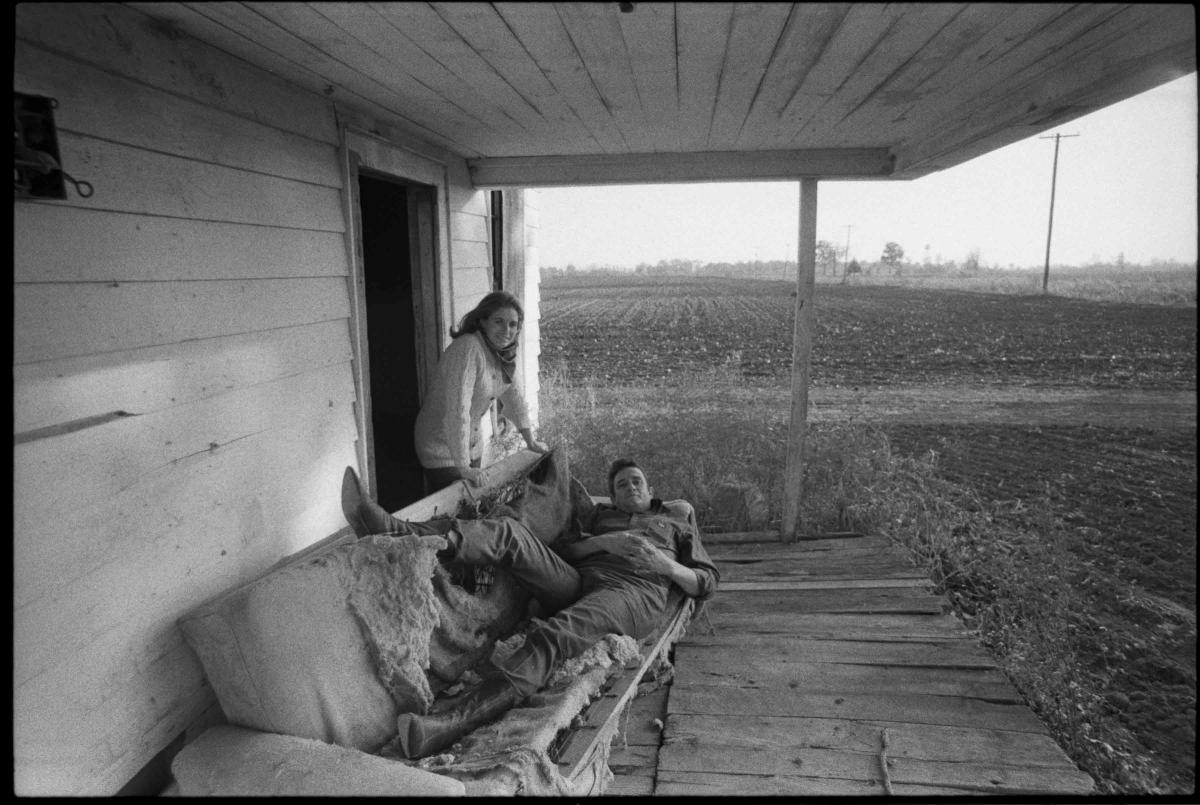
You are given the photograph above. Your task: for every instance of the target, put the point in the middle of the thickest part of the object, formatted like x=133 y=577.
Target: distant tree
x=827 y=257
x=893 y=253
x=971 y=264
x=854 y=268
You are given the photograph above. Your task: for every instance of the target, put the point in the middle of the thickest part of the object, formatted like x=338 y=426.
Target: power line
x=1050 y=226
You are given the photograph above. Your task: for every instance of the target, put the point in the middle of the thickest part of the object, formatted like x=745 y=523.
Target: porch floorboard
x=827 y=667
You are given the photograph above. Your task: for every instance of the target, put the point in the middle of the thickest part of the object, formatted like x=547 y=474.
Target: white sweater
x=467 y=379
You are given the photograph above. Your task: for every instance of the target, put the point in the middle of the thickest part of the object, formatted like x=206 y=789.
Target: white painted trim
x=715 y=166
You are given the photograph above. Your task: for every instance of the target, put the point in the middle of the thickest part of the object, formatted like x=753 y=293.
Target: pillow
x=330 y=647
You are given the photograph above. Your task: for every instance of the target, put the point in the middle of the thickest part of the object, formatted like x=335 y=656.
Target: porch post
x=806 y=269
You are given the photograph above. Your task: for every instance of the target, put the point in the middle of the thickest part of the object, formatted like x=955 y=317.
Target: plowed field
x=1088 y=405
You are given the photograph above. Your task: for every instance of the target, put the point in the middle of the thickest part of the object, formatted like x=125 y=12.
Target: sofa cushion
x=330 y=647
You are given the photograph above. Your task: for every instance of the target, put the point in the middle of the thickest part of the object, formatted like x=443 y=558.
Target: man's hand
x=641 y=553
x=647 y=560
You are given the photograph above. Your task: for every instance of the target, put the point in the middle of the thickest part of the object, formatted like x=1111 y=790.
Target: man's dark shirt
x=669 y=525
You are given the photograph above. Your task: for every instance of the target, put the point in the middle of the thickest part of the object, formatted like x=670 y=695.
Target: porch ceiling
x=537 y=94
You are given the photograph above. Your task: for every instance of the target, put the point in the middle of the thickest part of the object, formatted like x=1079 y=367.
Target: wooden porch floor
x=827 y=667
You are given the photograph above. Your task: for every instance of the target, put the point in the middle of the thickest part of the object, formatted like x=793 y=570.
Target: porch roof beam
x=666 y=168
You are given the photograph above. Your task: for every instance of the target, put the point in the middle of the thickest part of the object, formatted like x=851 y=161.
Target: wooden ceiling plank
x=649 y=34
x=380 y=48
x=756 y=27
x=542 y=35
x=312 y=39
x=807 y=34
x=246 y=34
x=702 y=166
x=845 y=61
x=477 y=34
x=703 y=31
x=167 y=60
x=1039 y=100
x=1039 y=37
x=891 y=74
x=975 y=23
x=596 y=36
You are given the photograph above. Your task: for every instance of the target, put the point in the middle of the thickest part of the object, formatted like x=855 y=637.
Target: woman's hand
x=532 y=443
x=474 y=476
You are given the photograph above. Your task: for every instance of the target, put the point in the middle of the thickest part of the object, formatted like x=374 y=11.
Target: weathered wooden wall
x=184 y=397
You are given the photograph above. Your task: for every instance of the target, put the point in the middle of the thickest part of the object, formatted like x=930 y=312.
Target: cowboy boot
x=421 y=735
x=364 y=514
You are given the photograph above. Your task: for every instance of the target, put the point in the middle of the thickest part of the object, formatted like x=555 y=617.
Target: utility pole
x=1050 y=226
x=846 y=268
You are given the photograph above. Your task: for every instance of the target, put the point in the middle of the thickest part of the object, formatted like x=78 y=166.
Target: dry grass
x=1174 y=287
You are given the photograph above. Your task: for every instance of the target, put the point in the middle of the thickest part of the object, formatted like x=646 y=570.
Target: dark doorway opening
x=392 y=266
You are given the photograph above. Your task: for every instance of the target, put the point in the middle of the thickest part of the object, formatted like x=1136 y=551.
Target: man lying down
x=613 y=578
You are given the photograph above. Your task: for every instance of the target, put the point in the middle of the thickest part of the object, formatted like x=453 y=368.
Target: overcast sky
x=1126 y=184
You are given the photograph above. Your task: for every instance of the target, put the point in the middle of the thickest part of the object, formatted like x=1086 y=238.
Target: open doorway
x=401 y=315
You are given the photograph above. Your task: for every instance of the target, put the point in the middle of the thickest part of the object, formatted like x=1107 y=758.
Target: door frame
x=430 y=256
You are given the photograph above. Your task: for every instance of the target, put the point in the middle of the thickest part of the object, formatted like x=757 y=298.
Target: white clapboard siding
x=227 y=520
x=56 y=321
x=126 y=42
x=113 y=107
x=470 y=258
x=99 y=247
x=470 y=285
x=142 y=381
x=202 y=290
x=118 y=458
x=470 y=226
x=222 y=537
x=129 y=179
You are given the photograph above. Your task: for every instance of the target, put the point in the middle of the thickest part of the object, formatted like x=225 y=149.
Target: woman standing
x=477 y=367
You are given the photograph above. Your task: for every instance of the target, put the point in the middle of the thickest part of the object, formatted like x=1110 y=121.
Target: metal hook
x=84 y=189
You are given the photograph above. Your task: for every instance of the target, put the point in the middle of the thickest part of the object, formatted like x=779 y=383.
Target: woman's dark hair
x=617 y=466
x=488 y=305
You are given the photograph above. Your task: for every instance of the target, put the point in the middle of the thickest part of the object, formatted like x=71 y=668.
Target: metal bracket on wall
x=37 y=168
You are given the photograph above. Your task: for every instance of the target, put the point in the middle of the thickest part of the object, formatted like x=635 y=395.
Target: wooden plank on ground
x=821 y=763
x=909 y=708
x=630 y=785
x=793 y=569
x=776 y=549
x=706 y=784
x=848 y=626
x=909 y=582
x=804 y=602
x=958 y=652
x=769 y=538
x=728 y=668
x=912 y=741
x=636 y=761
x=638 y=727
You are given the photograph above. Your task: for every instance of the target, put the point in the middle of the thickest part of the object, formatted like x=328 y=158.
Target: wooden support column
x=806 y=270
